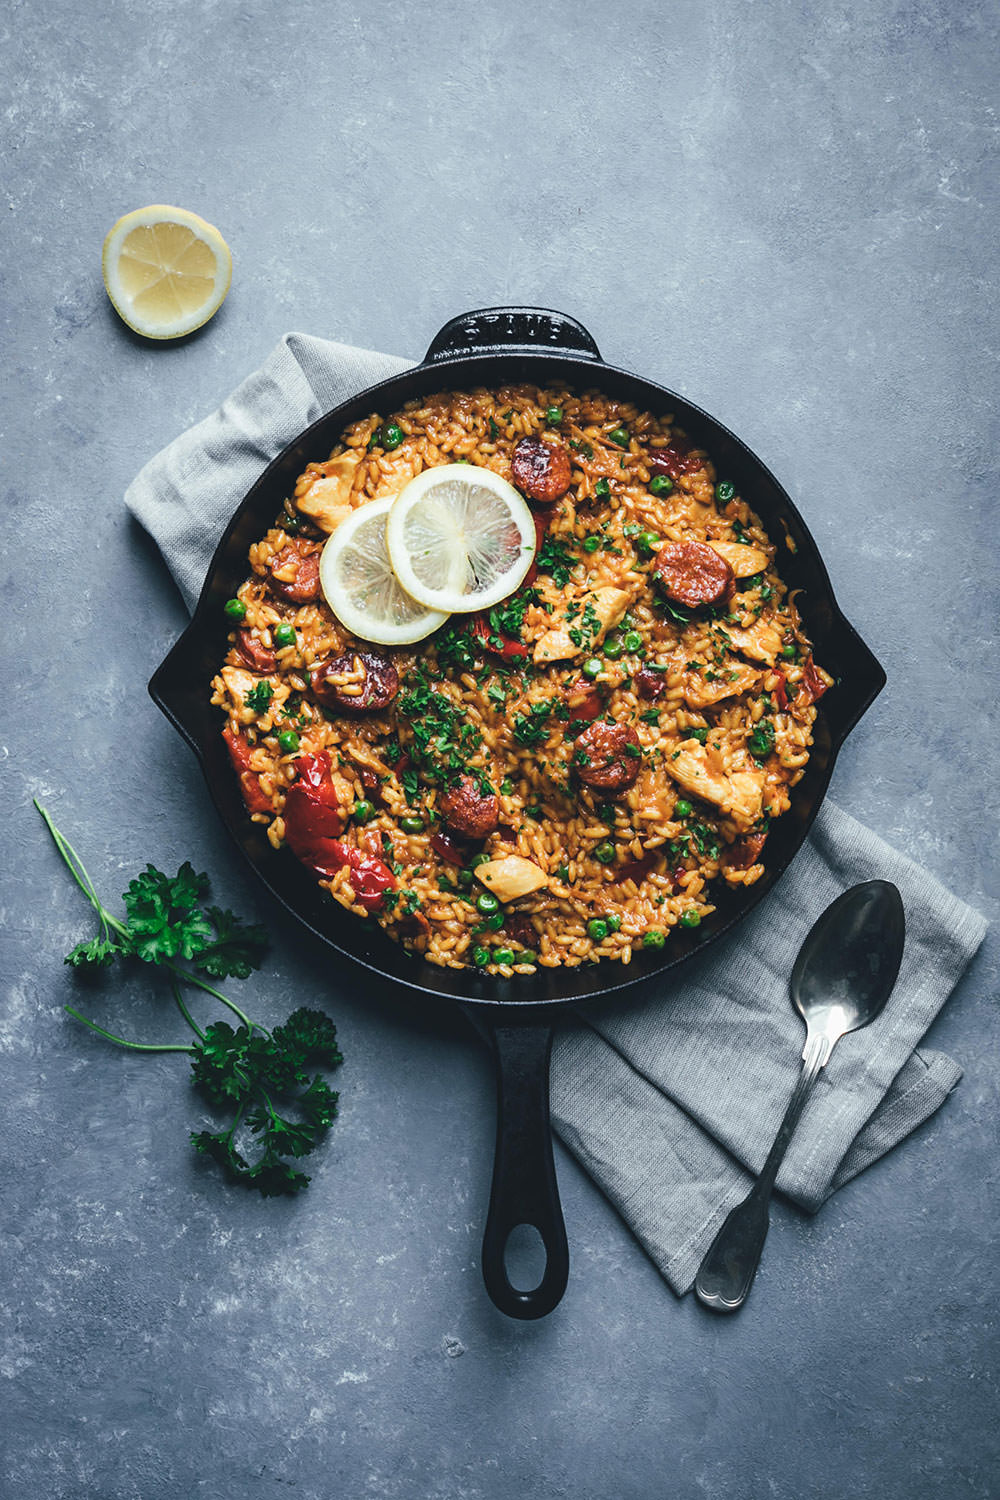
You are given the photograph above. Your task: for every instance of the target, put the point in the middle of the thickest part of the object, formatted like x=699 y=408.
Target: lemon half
x=166 y=270
x=361 y=587
x=460 y=538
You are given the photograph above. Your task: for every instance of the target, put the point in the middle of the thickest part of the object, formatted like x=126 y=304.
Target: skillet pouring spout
x=493 y=347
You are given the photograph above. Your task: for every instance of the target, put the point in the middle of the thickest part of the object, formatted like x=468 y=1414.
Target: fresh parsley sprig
x=247 y=1070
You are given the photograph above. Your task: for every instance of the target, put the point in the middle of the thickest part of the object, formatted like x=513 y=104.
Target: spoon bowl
x=847 y=966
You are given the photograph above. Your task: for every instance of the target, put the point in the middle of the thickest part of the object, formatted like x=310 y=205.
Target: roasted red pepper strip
x=370 y=877
x=484 y=636
x=780 y=692
x=314 y=777
x=313 y=818
x=448 y=849
x=812 y=682
x=239 y=753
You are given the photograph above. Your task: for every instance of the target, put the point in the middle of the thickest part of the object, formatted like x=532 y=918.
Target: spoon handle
x=730 y=1264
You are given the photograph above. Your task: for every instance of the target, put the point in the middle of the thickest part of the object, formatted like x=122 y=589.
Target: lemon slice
x=460 y=538
x=361 y=587
x=166 y=270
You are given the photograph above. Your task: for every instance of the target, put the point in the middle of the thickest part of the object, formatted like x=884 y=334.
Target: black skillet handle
x=524 y=1187
x=492 y=330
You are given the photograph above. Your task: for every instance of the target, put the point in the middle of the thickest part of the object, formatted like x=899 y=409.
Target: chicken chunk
x=733 y=678
x=744 y=561
x=238 y=682
x=607 y=604
x=327 y=501
x=761 y=641
x=511 y=876
x=699 y=769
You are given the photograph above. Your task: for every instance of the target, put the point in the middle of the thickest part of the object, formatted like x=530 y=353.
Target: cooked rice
x=547 y=815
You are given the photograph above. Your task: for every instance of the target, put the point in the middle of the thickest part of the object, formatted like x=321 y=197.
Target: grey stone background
x=783 y=211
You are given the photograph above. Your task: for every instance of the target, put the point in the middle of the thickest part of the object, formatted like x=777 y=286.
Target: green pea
x=465 y=879
x=660 y=485
x=487 y=903
x=527 y=957
x=602 y=489
x=392 y=436
x=633 y=641
x=648 y=542
x=412 y=825
x=480 y=957
x=235 y=609
x=605 y=853
x=592 y=667
x=682 y=808
x=620 y=436
x=284 y=635
x=506 y=787
x=363 y=812
x=495 y=922
x=614 y=922
x=597 y=929
x=725 y=491
x=477 y=860
x=613 y=647
x=591 y=543
x=288 y=742
x=790 y=652
x=691 y=918
x=654 y=938
x=503 y=955
x=553 y=415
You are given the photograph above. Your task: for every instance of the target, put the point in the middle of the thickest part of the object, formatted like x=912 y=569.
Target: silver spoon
x=844 y=974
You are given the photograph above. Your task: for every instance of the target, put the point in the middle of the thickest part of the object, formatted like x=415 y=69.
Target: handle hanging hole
x=524 y=1258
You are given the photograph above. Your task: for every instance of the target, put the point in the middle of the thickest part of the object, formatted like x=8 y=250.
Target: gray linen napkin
x=669 y=1098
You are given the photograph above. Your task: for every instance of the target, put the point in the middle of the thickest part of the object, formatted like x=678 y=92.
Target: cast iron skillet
x=492 y=347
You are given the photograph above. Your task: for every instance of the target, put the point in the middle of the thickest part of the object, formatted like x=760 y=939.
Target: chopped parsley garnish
x=259 y=698
x=453 y=647
x=443 y=740
x=579 y=446
x=706 y=839
x=532 y=728
x=555 y=558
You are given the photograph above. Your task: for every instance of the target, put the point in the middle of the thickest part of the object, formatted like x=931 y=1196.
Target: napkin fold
x=671 y=1099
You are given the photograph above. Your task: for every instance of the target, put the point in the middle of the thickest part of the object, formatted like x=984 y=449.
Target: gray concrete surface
x=785 y=212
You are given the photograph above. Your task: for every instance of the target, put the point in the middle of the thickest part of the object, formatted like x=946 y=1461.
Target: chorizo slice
x=583 y=700
x=608 y=757
x=674 y=460
x=468 y=810
x=293 y=573
x=650 y=685
x=542 y=470
x=744 y=851
x=254 y=652
x=359 y=682
x=692 y=573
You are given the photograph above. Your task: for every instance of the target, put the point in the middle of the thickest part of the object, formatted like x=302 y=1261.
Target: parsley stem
x=120 y=1040
x=184 y=1010
x=190 y=978
x=78 y=871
